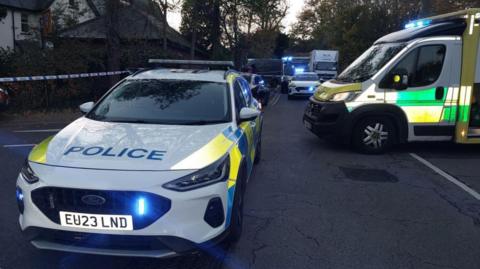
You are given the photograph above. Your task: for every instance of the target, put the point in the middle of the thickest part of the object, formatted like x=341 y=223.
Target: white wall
x=7 y=31
x=6 y=35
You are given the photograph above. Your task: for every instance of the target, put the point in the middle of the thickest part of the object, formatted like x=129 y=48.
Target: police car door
x=247 y=141
x=430 y=101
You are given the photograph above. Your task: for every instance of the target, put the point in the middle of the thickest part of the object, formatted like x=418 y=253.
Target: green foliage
x=352 y=26
x=245 y=28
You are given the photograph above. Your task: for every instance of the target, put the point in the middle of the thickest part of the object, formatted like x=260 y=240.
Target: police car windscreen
x=165 y=102
x=305 y=77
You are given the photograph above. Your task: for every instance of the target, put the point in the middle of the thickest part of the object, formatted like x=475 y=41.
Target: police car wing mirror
x=400 y=80
x=248 y=114
x=86 y=107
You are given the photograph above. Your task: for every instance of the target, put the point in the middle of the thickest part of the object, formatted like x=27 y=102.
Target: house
x=33 y=21
x=138 y=23
x=22 y=20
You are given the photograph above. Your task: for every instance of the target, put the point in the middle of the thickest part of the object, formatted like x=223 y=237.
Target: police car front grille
x=52 y=200
x=102 y=241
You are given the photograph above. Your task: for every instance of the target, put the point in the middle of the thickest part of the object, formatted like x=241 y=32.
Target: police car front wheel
x=236 y=223
x=374 y=135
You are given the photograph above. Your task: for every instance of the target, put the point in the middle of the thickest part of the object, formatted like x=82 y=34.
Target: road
x=310 y=204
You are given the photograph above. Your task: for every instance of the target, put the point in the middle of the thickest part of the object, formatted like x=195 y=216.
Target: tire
x=236 y=221
x=290 y=97
x=258 y=152
x=374 y=135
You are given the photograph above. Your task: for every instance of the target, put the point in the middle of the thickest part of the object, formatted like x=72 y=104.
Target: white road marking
x=19 y=145
x=38 y=131
x=448 y=177
x=276 y=99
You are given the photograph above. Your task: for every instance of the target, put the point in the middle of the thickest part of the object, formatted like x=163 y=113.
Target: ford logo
x=91 y=199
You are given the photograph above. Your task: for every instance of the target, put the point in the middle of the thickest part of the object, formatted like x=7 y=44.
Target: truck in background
x=324 y=63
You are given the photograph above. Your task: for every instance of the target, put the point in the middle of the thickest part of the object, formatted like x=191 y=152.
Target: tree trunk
x=164 y=27
x=215 y=31
x=193 y=44
x=113 y=38
x=426 y=9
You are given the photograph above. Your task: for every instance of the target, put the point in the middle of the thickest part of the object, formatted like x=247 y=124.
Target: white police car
x=155 y=168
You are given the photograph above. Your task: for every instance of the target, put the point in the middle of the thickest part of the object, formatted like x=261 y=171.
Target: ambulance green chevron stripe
x=419 y=98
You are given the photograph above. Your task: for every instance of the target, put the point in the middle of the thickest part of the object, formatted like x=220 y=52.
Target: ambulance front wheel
x=374 y=135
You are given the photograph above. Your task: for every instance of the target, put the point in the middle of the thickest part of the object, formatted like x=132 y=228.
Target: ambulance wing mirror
x=86 y=107
x=248 y=114
x=399 y=79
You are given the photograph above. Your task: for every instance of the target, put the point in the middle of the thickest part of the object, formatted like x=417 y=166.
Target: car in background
x=4 y=99
x=260 y=91
x=303 y=84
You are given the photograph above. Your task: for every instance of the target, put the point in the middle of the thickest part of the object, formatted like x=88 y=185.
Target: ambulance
x=418 y=84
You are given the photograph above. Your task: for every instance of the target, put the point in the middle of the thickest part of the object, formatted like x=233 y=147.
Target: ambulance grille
x=52 y=200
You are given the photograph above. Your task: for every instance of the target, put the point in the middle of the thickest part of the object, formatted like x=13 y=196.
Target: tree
x=165 y=6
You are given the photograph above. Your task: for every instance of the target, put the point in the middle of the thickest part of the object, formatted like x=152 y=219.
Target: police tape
x=65 y=76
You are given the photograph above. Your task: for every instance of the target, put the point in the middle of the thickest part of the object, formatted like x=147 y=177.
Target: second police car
x=156 y=168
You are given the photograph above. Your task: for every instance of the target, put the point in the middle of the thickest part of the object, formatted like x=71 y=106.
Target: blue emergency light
x=141 y=206
x=418 y=24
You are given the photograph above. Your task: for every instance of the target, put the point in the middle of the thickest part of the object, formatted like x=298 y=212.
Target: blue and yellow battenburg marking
x=39 y=152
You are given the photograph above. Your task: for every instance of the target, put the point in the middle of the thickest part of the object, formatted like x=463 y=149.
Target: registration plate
x=308 y=125
x=96 y=221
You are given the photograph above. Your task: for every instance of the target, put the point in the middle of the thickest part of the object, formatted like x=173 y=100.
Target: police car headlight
x=216 y=172
x=27 y=173
x=344 y=96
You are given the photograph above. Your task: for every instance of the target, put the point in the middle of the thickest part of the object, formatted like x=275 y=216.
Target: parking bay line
x=38 y=131
x=448 y=177
x=19 y=145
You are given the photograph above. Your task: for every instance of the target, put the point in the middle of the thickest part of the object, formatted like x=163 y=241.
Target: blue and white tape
x=66 y=76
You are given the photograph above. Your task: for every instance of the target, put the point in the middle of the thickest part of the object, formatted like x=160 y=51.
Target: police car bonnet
x=103 y=145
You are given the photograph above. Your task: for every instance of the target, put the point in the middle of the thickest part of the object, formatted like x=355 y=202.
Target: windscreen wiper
x=203 y=122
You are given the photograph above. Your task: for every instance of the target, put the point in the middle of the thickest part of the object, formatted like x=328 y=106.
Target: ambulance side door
x=429 y=101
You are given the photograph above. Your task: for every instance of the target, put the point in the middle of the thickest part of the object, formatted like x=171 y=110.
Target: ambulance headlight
x=344 y=96
x=27 y=173
x=216 y=172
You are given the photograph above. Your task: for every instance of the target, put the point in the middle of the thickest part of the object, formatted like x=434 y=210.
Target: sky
x=295 y=6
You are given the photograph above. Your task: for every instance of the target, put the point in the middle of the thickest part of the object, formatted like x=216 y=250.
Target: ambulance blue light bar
x=418 y=24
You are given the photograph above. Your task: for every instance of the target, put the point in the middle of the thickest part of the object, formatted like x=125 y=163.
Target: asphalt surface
x=310 y=204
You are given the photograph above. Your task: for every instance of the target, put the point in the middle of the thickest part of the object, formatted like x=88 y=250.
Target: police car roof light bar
x=167 y=62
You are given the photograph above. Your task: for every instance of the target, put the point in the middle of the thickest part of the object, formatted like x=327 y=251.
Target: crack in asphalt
x=254 y=254
x=403 y=222
x=421 y=260
x=306 y=236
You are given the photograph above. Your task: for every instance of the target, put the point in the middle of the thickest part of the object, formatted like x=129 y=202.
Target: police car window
x=257 y=80
x=247 y=94
x=240 y=101
x=165 y=102
x=305 y=77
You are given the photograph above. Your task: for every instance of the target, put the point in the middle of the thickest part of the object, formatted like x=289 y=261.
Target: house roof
x=29 y=5
x=134 y=24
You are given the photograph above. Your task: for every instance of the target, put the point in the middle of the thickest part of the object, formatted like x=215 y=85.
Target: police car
x=303 y=84
x=156 y=168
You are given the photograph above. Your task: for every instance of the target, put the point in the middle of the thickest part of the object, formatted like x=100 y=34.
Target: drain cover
x=369 y=175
